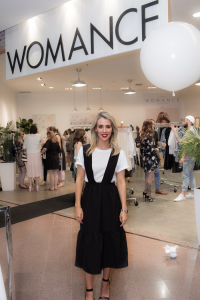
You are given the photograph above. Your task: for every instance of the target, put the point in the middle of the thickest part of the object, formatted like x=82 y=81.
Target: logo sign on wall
x=155 y=103
x=79 y=31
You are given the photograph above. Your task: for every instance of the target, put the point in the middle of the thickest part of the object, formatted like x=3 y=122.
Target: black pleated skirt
x=101 y=242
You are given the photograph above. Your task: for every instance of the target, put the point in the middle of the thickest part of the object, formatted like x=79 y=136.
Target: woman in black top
x=148 y=153
x=52 y=149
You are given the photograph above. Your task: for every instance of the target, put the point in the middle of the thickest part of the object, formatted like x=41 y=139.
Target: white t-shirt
x=100 y=160
x=32 y=142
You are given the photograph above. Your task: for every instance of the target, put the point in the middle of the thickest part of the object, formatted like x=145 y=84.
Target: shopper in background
x=52 y=150
x=148 y=153
x=157 y=172
x=20 y=161
x=62 y=164
x=102 y=211
x=34 y=161
x=44 y=161
x=69 y=147
x=65 y=147
x=78 y=142
x=187 y=162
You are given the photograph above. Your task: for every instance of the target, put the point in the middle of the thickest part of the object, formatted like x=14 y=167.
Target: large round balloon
x=170 y=56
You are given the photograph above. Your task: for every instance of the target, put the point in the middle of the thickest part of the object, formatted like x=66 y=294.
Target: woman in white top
x=34 y=160
x=78 y=142
x=102 y=210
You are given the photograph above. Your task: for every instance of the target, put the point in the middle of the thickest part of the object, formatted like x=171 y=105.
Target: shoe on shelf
x=180 y=198
x=160 y=192
x=190 y=196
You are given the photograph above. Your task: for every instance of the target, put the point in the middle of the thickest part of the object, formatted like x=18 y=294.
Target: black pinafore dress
x=101 y=242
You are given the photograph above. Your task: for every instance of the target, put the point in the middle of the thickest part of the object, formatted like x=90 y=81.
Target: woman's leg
x=37 y=179
x=51 y=174
x=30 y=179
x=148 y=182
x=69 y=159
x=105 y=284
x=89 y=278
x=55 y=179
x=22 y=174
x=44 y=171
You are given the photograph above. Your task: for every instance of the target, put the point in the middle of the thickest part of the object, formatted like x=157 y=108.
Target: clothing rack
x=131 y=190
x=158 y=125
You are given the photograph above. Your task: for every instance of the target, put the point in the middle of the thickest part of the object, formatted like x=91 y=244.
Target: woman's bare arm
x=79 y=187
x=121 y=185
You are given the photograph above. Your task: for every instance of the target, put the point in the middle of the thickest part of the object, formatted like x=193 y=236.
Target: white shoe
x=180 y=198
x=190 y=196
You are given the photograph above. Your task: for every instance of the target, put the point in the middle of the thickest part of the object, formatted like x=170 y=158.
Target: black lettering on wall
x=16 y=57
x=117 y=27
x=73 y=48
x=93 y=28
x=54 y=56
x=144 y=20
x=42 y=55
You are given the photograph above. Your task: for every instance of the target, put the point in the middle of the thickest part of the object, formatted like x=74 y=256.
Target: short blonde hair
x=94 y=136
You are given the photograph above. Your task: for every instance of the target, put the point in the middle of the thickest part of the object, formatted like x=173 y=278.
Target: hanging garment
x=127 y=144
x=168 y=157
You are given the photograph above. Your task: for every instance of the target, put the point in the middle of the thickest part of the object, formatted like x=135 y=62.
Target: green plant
x=190 y=145
x=25 y=125
x=7 y=135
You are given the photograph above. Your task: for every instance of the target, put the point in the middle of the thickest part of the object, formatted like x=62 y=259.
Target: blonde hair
x=94 y=136
x=52 y=136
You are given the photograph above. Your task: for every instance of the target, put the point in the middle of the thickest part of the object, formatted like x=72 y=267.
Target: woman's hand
x=181 y=161
x=123 y=217
x=79 y=214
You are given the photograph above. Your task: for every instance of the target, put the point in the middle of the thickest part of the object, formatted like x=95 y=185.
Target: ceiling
x=22 y=10
x=111 y=73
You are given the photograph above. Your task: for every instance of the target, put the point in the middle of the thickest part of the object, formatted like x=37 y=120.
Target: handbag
x=24 y=158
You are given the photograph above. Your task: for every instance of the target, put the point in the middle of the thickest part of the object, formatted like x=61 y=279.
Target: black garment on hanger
x=168 y=157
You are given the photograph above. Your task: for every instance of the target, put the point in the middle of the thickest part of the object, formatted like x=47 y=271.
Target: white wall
x=191 y=102
x=8 y=105
x=127 y=108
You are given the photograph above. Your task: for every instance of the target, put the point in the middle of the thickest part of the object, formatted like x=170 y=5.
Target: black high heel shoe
x=148 y=198
x=88 y=290
x=144 y=194
x=106 y=298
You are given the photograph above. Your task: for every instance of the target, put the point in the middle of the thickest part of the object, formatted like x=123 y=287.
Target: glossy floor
x=44 y=254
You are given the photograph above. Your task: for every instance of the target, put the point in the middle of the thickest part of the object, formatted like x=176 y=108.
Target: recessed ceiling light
x=152 y=87
x=196 y=15
x=39 y=78
x=66 y=88
x=124 y=88
x=96 y=88
x=51 y=87
x=42 y=84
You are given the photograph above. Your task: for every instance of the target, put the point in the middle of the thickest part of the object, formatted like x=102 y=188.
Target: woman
x=52 y=149
x=102 y=211
x=148 y=153
x=78 y=142
x=19 y=160
x=65 y=147
x=34 y=161
x=62 y=167
x=69 y=147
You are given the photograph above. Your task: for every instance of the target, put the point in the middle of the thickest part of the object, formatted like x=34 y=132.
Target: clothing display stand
x=11 y=273
x=129 y=200
x=163 y=180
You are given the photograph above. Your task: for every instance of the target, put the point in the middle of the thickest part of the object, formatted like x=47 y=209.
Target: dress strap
x=110 y=169
x=88 y=164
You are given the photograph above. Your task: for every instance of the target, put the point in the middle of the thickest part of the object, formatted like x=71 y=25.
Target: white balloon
x=170 y=56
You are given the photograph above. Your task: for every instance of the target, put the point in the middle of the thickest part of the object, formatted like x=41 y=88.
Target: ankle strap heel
x=106 y=280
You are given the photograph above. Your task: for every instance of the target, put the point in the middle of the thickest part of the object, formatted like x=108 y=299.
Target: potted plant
x=190 y=145
x=8 y=165
x=25 y=125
